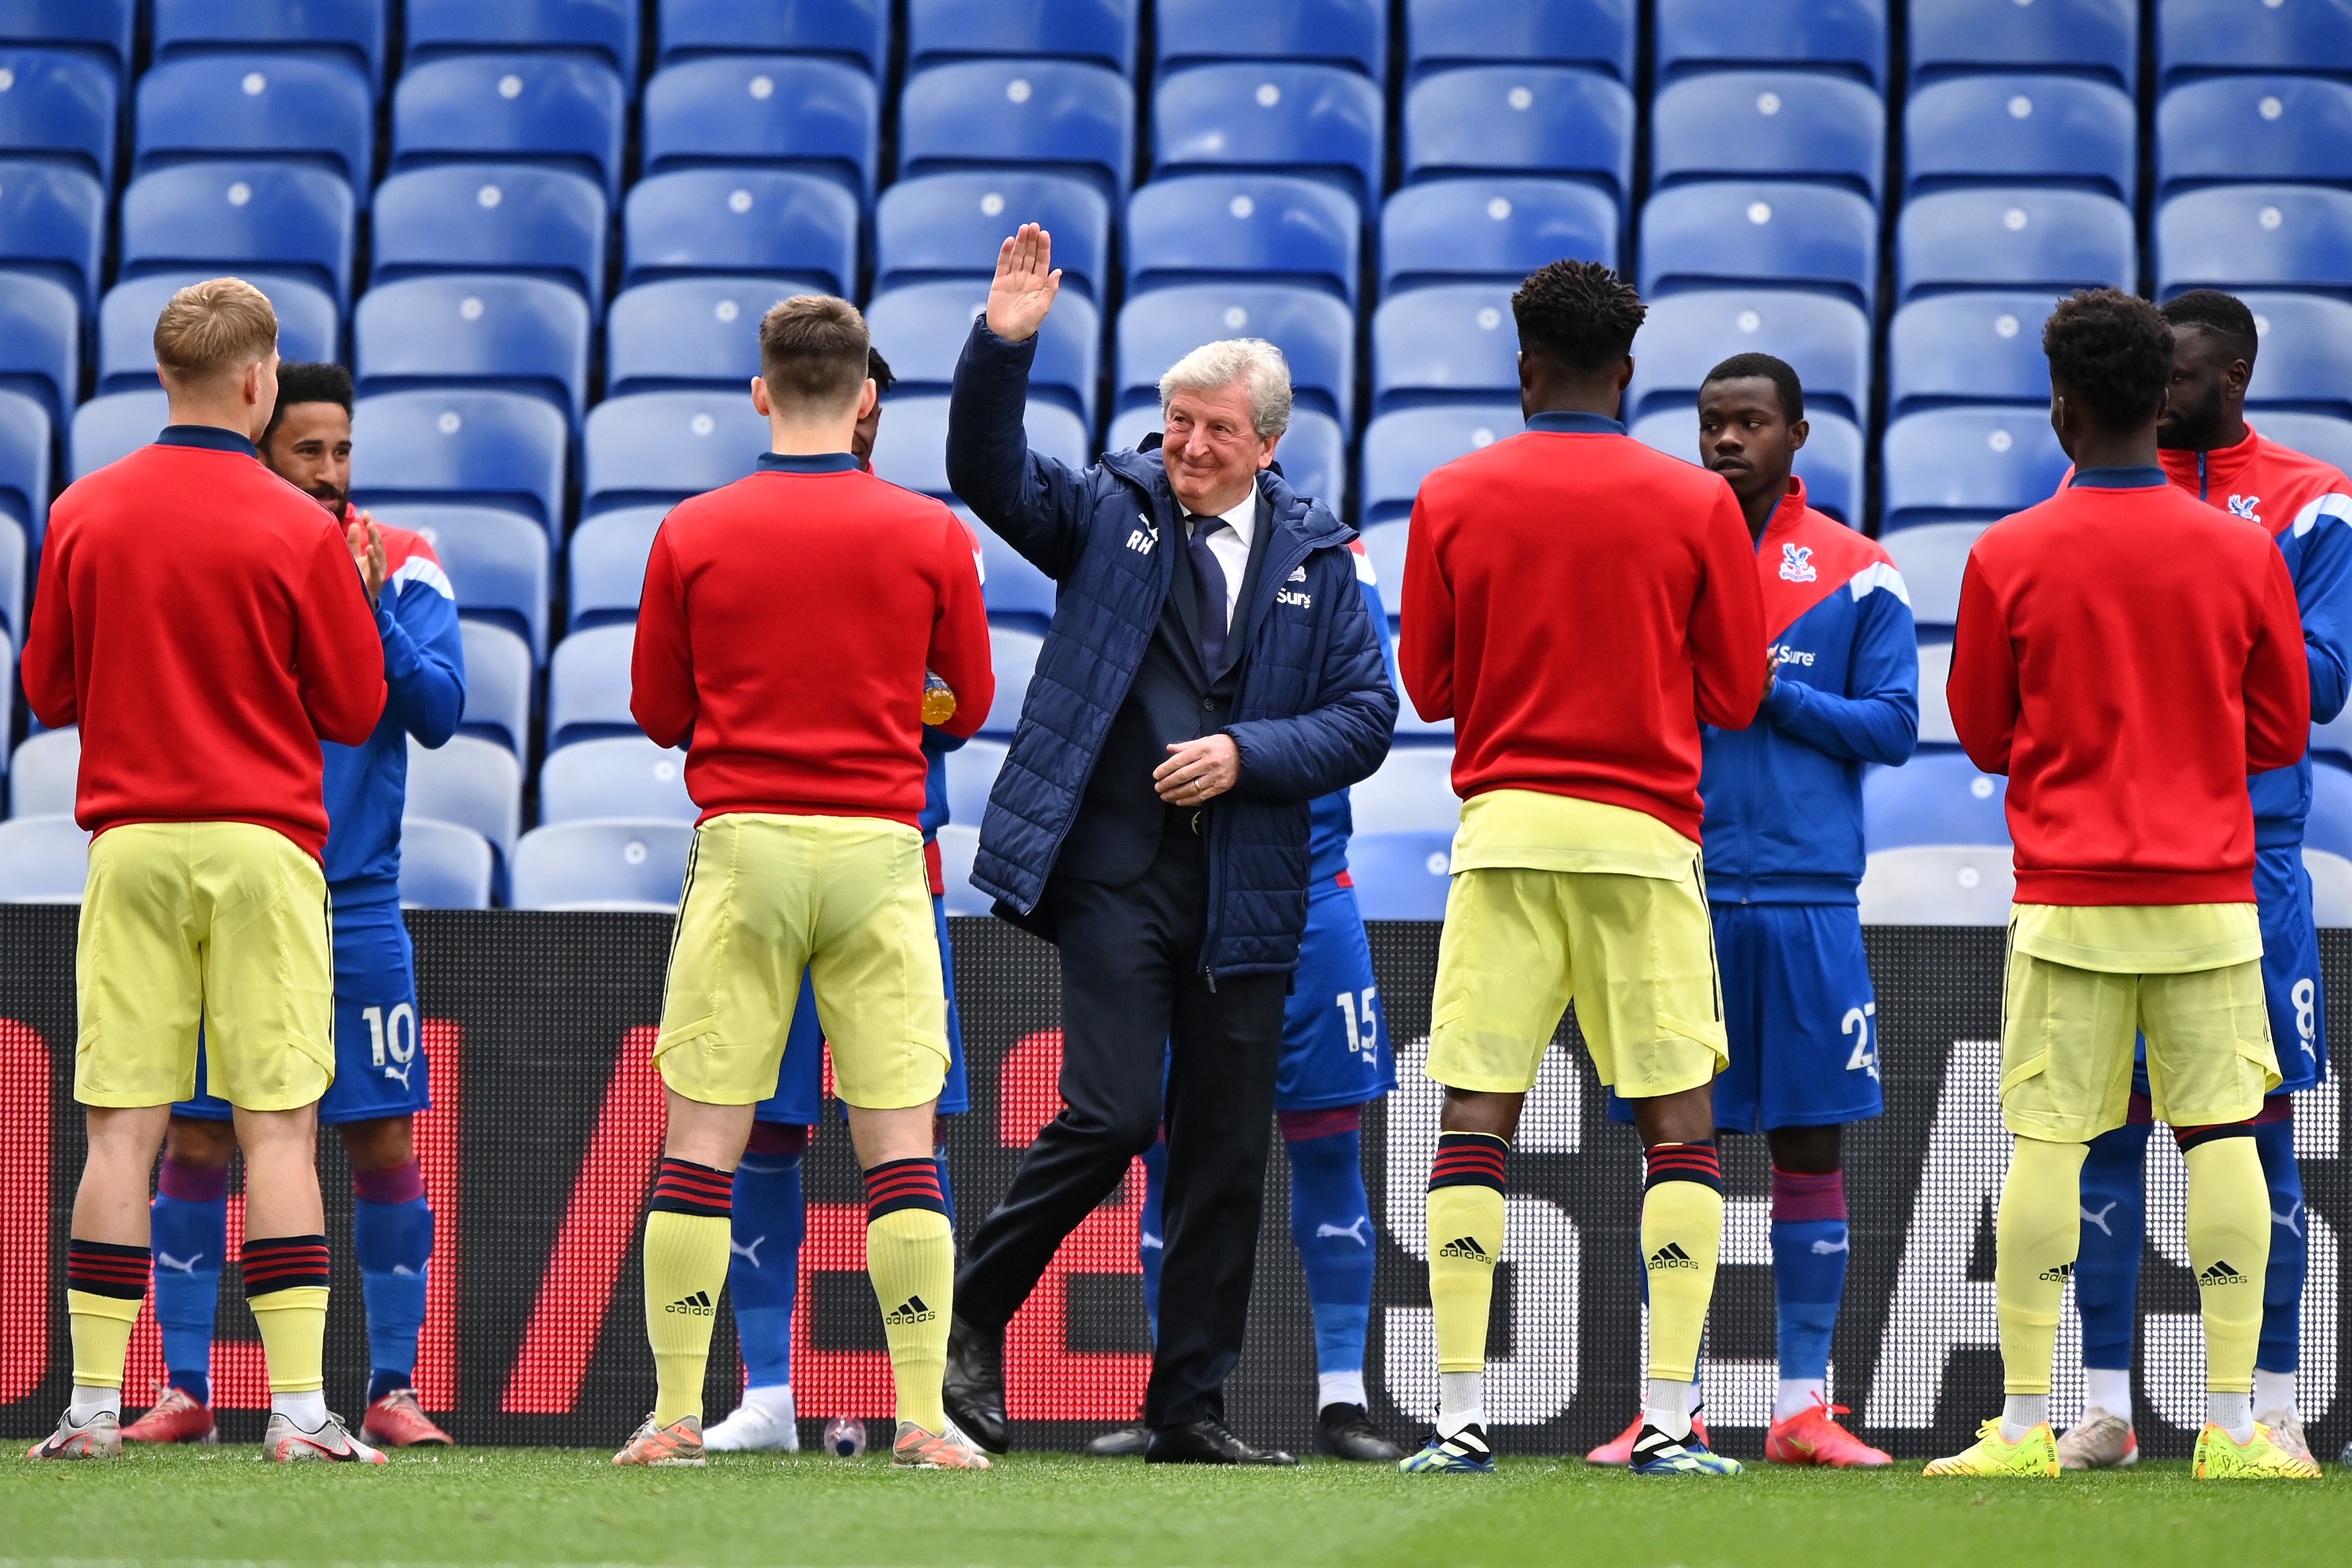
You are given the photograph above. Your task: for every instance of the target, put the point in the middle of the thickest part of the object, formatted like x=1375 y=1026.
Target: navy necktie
x=1209 y=591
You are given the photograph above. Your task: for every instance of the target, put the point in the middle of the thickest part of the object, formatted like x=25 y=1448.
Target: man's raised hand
x=1025 y=284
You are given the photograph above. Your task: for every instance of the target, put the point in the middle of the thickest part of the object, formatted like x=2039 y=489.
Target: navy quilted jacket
x=1313 y=714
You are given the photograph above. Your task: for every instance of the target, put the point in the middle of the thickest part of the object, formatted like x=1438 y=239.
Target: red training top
x=1579 y=605
x=2127 y=657
x=787 y=622
x=204 y=623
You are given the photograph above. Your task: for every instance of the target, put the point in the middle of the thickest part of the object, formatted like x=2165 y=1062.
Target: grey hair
x=1253 y=362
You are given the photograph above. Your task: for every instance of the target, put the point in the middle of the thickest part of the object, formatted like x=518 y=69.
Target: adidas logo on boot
x=695 y=1306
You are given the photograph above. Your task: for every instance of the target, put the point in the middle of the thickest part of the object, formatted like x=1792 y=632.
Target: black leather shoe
x=974 y=1385
x=1346 y=1430
x=1206 y=1443
x=1119 y=1443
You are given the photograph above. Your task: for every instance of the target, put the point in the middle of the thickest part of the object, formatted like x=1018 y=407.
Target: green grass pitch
x=1040 y=1510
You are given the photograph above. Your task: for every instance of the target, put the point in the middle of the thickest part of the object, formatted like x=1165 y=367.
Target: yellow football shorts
x=218 y=924
x=2066 y=1044
x=1636 y=955
x=844 y=898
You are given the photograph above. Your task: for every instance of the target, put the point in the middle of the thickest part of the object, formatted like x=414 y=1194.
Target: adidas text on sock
x=2038 y=1231
x=2229 y=1235
x=910 y=1257
x=1464 y=1215
x=1682 y=1235
x=685 y=1252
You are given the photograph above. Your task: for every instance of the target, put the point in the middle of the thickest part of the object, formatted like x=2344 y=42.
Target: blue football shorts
x=379 y=1049
x=1334 y=1044
x=2291 y=984
x=799 y=1100
x=1800 y=1015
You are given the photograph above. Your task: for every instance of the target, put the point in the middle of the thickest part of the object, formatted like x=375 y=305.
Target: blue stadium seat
x=1451 y=343
x=1385 y=545
x=633 y=867
x=656 y=446
x=1937 y=797
x=107 y=429
x=2016 y=129
x=45 y=773
x=1401 y=449
x=1410 y=724
x=497 y=692
x=2306 y=341
x=40 y=341
x=309 y=327
x=1935 y=703
x=13 y=553
x=545 y=109
x=1100 y=31
x=495 y=562
x=1491 y=230
x=26 y=438
x=972 y=773
x=1313 y=456
x=950 y=226
x=455 y=446
x=1760 y=233
x=1828 y=341
x=606 y=561
x=686 y=331
x=1844 y=36
x=1968 y=348
x=506 y=218
x=444 y=865
x=1768 y=124
x=472 y=781
x=603 y=30
x=1046 y=116
x=52 y=225
x=61 y=106
x=1014 y=655
x=2315 y=435
x=1597 y=35
x=857 y=31
x=1315 y=333
x=1968 y=465
x=1402 y=875
x=910 y=448
x=742 y=223
x=2015 y=239
x=1271 y=229
x=1931 y=558
x=99 y=29
x=2097 y=38
x=2213 y=37
x=277 y=218
x=2329 y=828
x=1410 y=792
x=1830 y=463
x=2230 y=129
x=1008 y=583
x=350 y=32
x=43 y=860
x=2258 y=237
x=524 y=335
x=588 y=687
x=1354 y=32
x=1550 y=120
x=1320 y=121
x=958 y=847
x=321 y=112
x=921 y=330
x=624 y=775
x=821 y=116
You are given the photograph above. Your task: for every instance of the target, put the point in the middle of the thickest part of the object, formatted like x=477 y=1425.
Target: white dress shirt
x=1231 y=546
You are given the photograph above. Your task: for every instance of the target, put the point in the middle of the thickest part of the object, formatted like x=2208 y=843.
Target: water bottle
x=845 y=1437
x=938 y=699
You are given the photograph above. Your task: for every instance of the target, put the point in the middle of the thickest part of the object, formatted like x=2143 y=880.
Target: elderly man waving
x=1211 y=670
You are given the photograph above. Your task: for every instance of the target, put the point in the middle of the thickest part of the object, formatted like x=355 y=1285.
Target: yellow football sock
x=2230 y=1249
x=2037 y=1235
x=1682 y=1238
x=910 y=1257
x=102 y=1336
x=293 y=1323
x=686 y=1269
x=1464 y=1214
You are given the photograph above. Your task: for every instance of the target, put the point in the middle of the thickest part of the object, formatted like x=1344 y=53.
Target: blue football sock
x=947 y=1188
x=768 y=1222
x=1330 y=1222
x=392 y=1233
x=190 y=1225
x=2114 y=1230
x=2281 y=1343
x=1809 y=1249
x=1149 y=1236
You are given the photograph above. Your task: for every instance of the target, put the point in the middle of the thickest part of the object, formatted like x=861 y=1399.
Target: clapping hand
x=1026 y=285
x=366 y=542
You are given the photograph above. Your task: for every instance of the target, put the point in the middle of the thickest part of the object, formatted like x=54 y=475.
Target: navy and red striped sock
x=107 y=1269
x=283 y=1263
x=898 y=1184
x=1685 y=1163
x=1469 y=1160
x=681 y=1186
